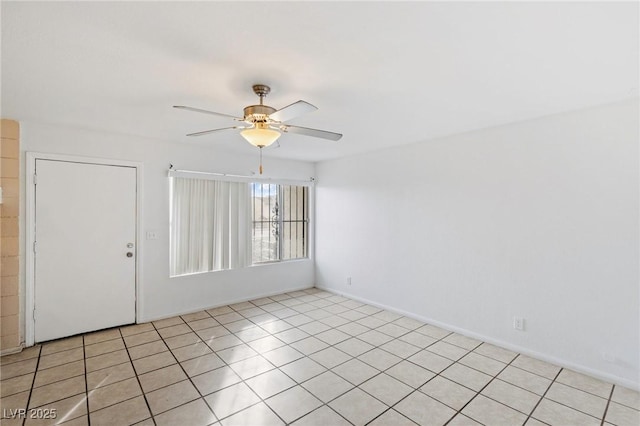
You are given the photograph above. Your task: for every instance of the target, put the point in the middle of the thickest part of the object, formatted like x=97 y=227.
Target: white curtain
x=210 y=225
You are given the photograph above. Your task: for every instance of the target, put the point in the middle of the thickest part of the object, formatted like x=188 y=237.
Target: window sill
x=273 y=262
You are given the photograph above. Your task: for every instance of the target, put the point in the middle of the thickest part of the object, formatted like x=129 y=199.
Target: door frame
x=30 y=234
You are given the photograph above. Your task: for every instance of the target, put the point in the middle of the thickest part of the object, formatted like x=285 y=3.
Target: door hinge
x=34 y=313
x=34 y=246
x=35 y=179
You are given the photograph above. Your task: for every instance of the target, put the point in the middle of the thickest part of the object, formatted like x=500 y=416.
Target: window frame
x=310 y=208
x=306 y=221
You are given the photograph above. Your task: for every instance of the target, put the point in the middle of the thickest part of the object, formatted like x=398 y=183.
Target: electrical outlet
x=152 y=235
x=518 y=323
x=348 y=280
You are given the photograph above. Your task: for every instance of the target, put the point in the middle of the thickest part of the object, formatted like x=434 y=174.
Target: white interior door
x=85 y=253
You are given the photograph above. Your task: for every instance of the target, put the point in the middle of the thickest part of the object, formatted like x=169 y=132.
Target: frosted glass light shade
x=260 y=137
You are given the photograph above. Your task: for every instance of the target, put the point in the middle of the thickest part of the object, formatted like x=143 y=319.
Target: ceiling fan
x=264 y=124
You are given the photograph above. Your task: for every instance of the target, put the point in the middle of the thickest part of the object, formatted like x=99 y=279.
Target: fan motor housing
x=255 y=113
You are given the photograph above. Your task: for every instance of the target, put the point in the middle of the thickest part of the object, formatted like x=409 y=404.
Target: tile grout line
x=575 y=388
x=185 y=373
x=543 y=395
x=59 y=352
x=86 y=381
x=606 y=408
x=144 y=395
x=417 y=389
x=573 y=408
x=35 y=373
x=480 y=391
x=384 y=371
x=580 y=390
x=413 y=390
x=389 y=407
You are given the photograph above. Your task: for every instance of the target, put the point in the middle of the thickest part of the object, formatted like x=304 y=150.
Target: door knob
x=129 y=254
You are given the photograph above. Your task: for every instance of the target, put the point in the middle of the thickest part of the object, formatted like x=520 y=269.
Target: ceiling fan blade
x=204 y=111
x=294 y=110
x=310 y=132
x=206 y=132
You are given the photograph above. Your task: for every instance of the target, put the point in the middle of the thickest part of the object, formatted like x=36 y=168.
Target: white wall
x=537 y=219
x=162 y=296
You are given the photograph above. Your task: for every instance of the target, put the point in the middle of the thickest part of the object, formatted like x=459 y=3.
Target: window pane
x=280 y=228
x=294 y=222
x=265 y=237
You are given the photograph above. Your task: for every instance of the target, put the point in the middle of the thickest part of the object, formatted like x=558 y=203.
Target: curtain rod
x=230 y=175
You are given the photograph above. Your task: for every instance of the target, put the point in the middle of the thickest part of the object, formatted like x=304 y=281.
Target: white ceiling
x=383 y=74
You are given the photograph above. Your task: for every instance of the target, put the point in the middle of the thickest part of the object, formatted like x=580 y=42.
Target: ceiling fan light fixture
x=265 y=121
x=261 y=135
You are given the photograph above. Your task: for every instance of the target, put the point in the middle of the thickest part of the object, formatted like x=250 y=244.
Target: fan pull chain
x=260 y=159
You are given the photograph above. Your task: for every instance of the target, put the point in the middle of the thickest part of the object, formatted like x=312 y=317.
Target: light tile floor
x=304 y=358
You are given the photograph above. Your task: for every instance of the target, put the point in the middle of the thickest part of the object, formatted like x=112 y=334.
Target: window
x=280 y=222
x=219 y=225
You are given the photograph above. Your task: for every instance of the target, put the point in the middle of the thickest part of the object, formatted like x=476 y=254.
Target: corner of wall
x=9 y=237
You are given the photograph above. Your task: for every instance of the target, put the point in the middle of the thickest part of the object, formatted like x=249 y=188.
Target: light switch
x=152 y=235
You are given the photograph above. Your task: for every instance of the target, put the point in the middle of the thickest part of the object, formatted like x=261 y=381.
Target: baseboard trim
x=506 y=345
x=11 y=351
x=224 y=303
